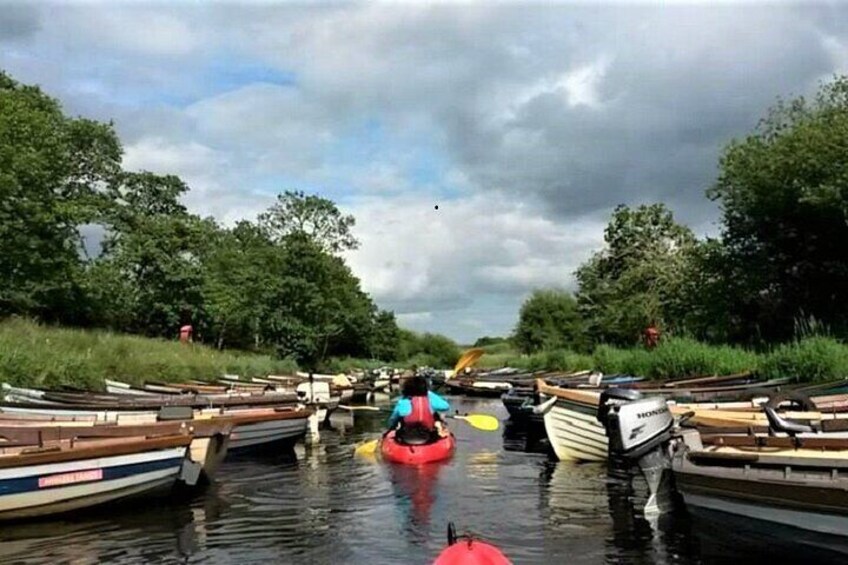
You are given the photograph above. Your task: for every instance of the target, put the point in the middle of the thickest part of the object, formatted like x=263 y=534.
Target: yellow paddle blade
x=483 y=422
x=468 y=359
x=367 y=448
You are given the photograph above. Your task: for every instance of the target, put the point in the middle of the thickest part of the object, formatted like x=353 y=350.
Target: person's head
x=414 y=386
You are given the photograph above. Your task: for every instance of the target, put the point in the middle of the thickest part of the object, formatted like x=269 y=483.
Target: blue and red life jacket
x=421 y=415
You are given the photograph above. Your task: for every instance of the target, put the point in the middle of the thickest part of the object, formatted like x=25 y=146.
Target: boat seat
x=835 y=425
x=414 y=436
x=778 y=424
x=170 y=413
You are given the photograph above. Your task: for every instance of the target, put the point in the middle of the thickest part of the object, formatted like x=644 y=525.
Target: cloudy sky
x=524 y=123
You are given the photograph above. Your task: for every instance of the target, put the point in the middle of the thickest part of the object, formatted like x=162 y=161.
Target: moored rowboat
x=252 y=427
x=64 y=478
x=575 y=433
x=209 y=437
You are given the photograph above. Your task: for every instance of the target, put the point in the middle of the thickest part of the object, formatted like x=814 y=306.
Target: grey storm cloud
x=18 y=21
x=669 y=88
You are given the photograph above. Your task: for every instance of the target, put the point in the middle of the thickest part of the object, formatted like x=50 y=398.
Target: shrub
x=809 y=360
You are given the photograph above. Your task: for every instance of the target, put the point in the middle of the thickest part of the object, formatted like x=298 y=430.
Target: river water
x=325 y=506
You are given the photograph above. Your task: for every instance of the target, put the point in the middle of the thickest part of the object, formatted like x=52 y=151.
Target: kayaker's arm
x=403 y=408
x=437 y=403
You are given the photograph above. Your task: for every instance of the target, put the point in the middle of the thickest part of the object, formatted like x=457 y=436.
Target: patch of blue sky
x=417 y=162
x=276 y=184
x=224 y=73
x=221 y=75
x=179 y=87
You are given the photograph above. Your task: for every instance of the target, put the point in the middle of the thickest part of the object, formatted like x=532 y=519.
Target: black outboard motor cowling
x=614 y=396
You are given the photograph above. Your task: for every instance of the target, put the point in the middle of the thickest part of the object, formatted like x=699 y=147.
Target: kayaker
x=417 y=410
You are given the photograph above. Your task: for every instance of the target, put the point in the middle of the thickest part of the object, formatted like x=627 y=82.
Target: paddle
x=468 y=359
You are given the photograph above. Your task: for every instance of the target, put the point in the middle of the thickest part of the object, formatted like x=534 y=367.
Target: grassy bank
x=36 y=355
x=809 y=360
x=47 y=357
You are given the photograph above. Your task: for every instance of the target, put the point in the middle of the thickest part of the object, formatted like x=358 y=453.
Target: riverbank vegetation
x=36 y=355
x=809 y=359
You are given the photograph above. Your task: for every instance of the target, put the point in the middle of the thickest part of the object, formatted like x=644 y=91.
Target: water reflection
x=525 y=436
x=107 y=534
x=657 y=539
x=722 y=537
x=415 y=490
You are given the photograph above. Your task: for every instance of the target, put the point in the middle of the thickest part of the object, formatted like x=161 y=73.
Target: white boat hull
x=266 y=433
x=575 y=433
x=117 y=387
x=40 y=490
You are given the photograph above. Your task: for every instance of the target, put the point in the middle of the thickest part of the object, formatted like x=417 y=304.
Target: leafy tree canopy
x=637 y=279
x=549 y=319
x=296 y=214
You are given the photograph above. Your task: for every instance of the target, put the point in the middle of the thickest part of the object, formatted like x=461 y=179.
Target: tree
x=317 y=219
x=783 y=191
x=549 y=319
x=385 y=337
x=276 y=284
x=637 y=280
x=428 y=349
x=240 y=274
x=51 y=168
x=319 y=309
x=152 y=255
x=486 y=341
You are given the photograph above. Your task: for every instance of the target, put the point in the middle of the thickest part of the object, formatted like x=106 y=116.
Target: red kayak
x=469 y=551
x=395 y=452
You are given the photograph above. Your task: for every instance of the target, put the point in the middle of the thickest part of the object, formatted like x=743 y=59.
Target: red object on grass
x=185 y=333
x=652 y=337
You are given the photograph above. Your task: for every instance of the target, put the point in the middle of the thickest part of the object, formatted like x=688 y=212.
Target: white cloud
x=214 y=181
x=419 y=259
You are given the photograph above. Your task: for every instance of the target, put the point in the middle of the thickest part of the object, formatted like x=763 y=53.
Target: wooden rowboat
x=253 y=427
x=575 y=433
x=208 y=448
x=800 y=483
x=65 y=477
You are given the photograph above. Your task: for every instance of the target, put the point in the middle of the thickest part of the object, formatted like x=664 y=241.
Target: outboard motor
x=639 y=431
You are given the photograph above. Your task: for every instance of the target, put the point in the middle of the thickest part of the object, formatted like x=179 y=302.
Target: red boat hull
x=417 y=454
x=471 y=552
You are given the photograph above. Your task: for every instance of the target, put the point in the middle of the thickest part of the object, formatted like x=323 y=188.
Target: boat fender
x=545 y=407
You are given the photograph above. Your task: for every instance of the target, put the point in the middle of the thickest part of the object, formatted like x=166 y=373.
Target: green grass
x=348 y=364
x=42 y=356
x=675 y=357
x=810 y=359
